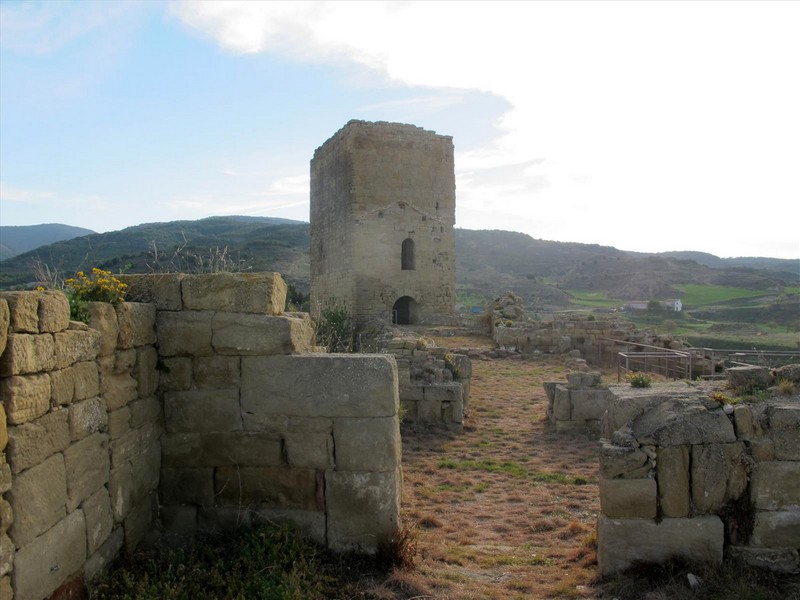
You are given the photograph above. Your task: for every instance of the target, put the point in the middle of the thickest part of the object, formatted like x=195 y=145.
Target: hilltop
x=488 y=262
x=18 y=239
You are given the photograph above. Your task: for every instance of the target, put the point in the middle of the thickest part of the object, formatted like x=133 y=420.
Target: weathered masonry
x=382 y=217
x=203 y=408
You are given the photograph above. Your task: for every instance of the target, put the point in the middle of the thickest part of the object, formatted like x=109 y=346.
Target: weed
x=639 y=380
x=334 y=328
x=786 y=387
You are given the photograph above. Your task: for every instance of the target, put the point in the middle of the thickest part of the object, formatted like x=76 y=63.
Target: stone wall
x=593 y=338
x=679 y=476
x=80 y=429
x=434 y=382
x=578 y=405
x=374 y=186
x=259 y=428
x=199 y=409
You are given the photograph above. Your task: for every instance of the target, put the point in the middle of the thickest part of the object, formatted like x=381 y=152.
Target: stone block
x=275 y=486
x=32 y=443
x=748 y=378
x=588 y=404
x=145 y=371
x=678 y=422
x=783 y=560
x=617 y=461
x=5 y=478
x=785 y=427
x=5 y=321
x=326 y=385
x=27 y=353
x=118 y=390
x=144 y=411
x=743 y=421
x=718 y=475
x=160 y=289
x=6 y=556
x=46 y=563
x=87 y=466
x=125 y=447
x=38 y=498
x=3 y=430
x=179 y=520
x=562 y=407
x=628 y=498
x=53 y=311
x=137 y=321
x=6 y=516
x=73 y=345
x=139 y=523
x=86 y=380
x=371 y=444
x=26 y=397
x=310 y=524
x=119 y=422
x=776 y=486
x=176 y=374
x=672 y=472
x=309 y=449
x=217 y=372
x=99 y=520
x=187 y=486
x=202 y=410
x=776 y=529
x=260 y=335
x=146 y=471
x=442 y=392
x=185 y=333
x=623 y=542
x=363 y=509
x=23 y=311
x=121 y=491
x=259 y=293
x=220 y=449
x=762 y=450
x=105 y=555
x=87 y=417
x=103 y=318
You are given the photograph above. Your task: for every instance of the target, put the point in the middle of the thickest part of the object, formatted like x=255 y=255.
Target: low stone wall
x=258 y=428
x=591 y=337
x=681 y=477
x=578 y=405
x=205 y=395
x=434 y=382
x=80 y=426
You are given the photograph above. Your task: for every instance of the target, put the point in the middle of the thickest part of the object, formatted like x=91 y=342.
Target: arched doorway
x=404 y=311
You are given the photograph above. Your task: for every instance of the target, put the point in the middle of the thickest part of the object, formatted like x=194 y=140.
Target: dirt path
x=507 y=508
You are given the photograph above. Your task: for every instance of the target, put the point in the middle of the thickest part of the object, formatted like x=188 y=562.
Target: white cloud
x=664 y=118
x=24 y=196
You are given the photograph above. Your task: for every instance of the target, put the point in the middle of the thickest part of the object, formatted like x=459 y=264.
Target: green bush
x=334 y=328
x=639 y=380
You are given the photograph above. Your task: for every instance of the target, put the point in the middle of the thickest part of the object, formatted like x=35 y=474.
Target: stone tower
x=382 y=216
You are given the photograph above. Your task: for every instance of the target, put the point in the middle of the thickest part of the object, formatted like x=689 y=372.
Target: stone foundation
x=680 y=477
x=579 y=405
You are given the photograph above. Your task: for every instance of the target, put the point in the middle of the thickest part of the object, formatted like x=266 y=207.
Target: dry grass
x=504 y=509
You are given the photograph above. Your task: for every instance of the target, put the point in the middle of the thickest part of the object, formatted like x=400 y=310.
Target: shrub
x=100 y=286
x=786 y=387
x=334 y=328
x=639 y=380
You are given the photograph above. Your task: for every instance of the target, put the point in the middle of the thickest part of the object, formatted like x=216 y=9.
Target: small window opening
x=407 y=255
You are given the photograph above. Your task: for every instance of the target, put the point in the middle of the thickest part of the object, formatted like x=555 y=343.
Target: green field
x=718 y=316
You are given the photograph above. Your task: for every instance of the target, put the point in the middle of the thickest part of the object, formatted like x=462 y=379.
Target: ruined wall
x=82 y=426
x=680 y=477
x=374 y=185
x=258 y=428
x=591 y=338
x=434 y=382
x=577 y=405
x=199 y=407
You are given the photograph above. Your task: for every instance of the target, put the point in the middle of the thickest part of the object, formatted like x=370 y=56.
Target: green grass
x=593 y=299
x=697 y=295
x=266 y=562
x=510 y=468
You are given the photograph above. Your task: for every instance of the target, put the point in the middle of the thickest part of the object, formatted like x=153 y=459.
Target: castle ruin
x=382 y=217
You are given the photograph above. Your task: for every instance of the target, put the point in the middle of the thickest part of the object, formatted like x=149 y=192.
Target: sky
x=647 y=126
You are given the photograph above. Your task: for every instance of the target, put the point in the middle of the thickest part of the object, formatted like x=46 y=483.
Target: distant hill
x=488 y=262
x=790 y=267
x=17 y=239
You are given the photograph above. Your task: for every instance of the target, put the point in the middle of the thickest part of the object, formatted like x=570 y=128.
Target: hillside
x=488 y=262
x=18 y=239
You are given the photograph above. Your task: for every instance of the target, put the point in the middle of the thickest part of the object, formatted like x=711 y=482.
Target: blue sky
x=649 y=126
